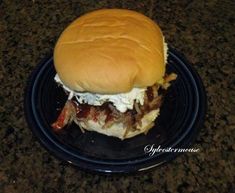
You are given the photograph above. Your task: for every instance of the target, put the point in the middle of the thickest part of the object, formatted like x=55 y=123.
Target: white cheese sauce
x=122 y=101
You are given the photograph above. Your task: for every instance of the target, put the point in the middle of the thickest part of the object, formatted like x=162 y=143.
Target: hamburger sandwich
x=111 y=63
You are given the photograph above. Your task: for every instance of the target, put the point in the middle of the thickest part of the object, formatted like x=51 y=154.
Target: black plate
x=181 y=117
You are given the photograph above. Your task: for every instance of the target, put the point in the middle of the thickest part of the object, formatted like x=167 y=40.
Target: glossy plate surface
x=181 y=117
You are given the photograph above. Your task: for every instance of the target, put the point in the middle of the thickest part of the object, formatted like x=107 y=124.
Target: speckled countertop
x=202 y=30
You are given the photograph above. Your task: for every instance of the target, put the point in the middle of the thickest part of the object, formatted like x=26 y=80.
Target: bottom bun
x=118 y=129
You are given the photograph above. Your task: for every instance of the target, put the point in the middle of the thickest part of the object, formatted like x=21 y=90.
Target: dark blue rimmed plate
x=181 y=117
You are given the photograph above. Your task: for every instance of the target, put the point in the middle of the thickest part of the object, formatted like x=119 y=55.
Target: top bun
x=110 y=51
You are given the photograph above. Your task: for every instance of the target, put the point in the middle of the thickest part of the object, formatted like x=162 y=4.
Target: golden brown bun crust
x=110 y=51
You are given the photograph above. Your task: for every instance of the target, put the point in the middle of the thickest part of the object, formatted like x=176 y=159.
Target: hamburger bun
x=110 y=51
x=118 y=129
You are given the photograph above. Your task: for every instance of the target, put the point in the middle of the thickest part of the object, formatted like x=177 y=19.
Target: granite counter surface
x=203 y=30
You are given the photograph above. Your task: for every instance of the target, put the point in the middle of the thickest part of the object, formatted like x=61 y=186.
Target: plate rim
x=199 y=120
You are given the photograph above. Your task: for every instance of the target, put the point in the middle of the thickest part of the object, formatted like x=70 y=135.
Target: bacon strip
x=66 y=116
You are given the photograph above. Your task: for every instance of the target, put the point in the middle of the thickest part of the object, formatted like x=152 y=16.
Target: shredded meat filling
x=109 y=114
